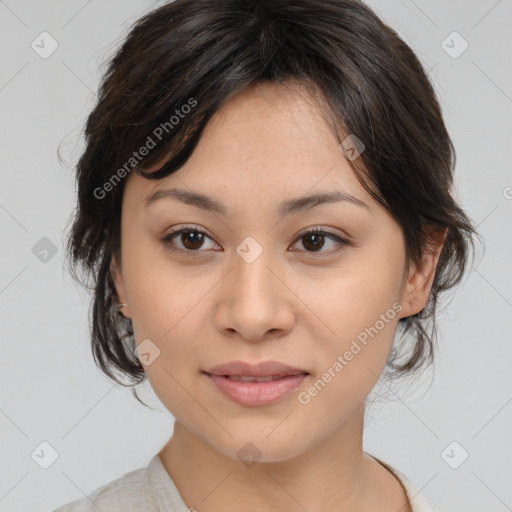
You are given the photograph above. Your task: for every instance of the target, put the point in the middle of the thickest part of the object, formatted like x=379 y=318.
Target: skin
x=292 y=304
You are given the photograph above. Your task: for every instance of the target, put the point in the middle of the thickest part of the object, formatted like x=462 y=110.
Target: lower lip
x=257 y=393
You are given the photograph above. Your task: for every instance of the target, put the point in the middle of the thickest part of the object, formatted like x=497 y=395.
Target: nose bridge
x=252 y=276
x=254 y=301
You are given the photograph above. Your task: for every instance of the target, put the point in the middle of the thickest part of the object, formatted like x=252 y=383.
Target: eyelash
x=194 y=229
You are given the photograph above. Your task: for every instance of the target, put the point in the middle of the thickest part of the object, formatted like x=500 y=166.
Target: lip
x=285 y=380
x=263 y=369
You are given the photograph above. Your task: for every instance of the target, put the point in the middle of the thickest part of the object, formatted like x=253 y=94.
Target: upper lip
x=263 y=369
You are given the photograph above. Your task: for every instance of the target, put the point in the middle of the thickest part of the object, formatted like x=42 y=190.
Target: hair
x=199 y=53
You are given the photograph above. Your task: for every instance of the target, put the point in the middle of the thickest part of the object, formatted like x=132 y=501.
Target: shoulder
x=126 y=493
x=416 y=498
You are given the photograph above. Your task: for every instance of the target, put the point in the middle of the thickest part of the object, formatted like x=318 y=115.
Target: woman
x=264 y=199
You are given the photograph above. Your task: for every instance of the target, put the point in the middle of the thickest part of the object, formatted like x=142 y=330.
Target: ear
x=416 y=291
x=117 y=277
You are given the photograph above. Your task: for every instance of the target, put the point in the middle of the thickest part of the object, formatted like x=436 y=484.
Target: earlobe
x=416 y=291
x=118 y=280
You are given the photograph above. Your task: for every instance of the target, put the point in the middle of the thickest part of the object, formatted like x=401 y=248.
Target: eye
x=193 y=238
x=315 y=240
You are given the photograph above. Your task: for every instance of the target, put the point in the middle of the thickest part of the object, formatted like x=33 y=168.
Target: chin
x=257 y=446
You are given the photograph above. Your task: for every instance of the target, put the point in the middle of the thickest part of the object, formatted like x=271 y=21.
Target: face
x=249 y=284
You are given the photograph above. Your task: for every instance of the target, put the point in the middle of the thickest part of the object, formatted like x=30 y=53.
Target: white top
x=151 y=489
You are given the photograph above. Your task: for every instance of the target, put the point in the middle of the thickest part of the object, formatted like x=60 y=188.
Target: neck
x=332 y=475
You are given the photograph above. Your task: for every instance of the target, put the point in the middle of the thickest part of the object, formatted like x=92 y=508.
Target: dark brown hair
x=182 y=61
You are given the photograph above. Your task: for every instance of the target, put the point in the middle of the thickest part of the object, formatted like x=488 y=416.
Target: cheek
x=162 y=293
x=373 y=285
x=350 y=365
x=167 y=311
x=369 y=308
x=169 y=307
x=352 y=297
x=358 y=306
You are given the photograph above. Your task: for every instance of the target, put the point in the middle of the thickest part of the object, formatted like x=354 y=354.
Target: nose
x=255 y=302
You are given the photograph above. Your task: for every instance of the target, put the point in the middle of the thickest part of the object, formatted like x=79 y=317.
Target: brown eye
x=191 y=239
x=314 y=240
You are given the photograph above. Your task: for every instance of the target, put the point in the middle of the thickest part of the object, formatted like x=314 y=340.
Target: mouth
x=272 y=369
x=256 y=385
x=249 y=378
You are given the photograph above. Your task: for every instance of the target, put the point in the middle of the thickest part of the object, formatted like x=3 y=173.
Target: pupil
x=317 y=238
x=194 y=237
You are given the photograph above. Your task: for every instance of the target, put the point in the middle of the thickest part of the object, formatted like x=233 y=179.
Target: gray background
x=50 y=390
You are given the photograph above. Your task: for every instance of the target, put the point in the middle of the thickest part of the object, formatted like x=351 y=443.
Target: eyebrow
x=287 y=207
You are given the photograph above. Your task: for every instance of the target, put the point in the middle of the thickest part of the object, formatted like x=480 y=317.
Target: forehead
x=266 y=110
x=271 y=140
